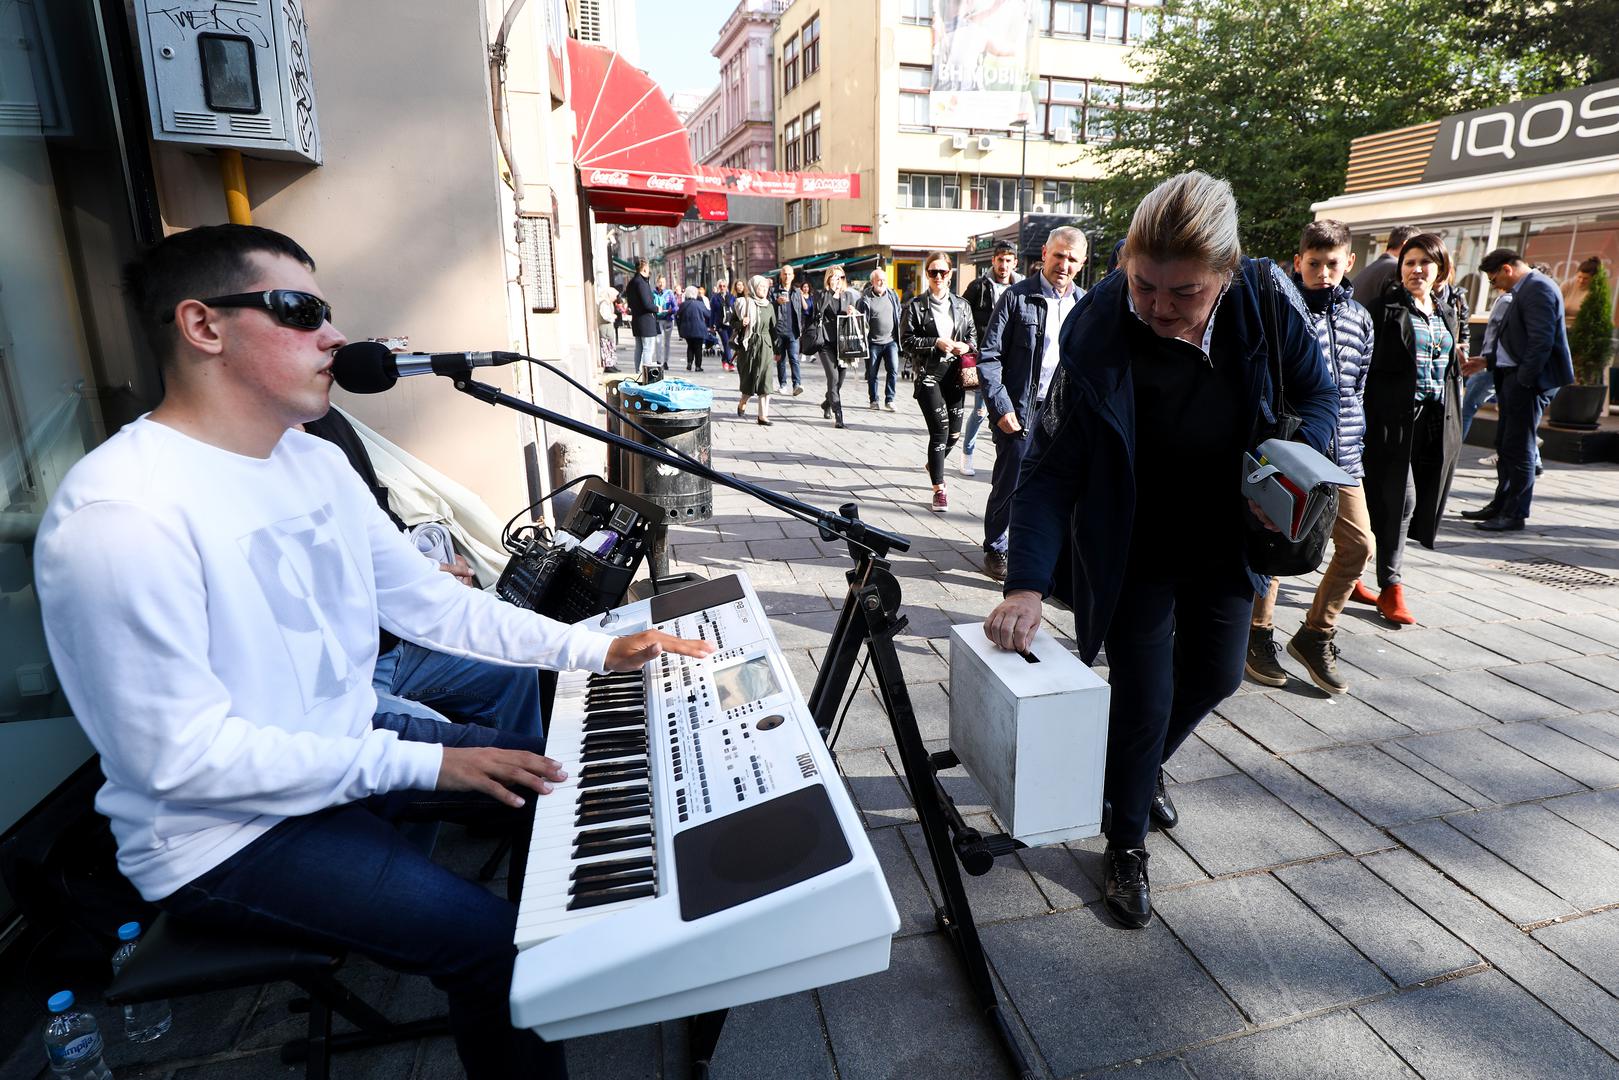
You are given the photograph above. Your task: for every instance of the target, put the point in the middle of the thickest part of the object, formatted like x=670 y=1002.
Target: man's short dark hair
x=1401 y=233
x=1003 y=247
x=1498 y=258
x=1323 y=235
x=210 y=260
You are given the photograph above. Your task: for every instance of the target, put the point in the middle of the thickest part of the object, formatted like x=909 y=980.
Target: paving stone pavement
x=1418 y=879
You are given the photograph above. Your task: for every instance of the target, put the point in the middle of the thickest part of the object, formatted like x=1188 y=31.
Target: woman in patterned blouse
x=1413 y=411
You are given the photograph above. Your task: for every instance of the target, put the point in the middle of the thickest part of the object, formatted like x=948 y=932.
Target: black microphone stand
x=871 y=618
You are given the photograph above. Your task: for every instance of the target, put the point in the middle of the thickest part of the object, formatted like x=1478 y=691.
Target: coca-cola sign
x=666 y=183
x=605 y=178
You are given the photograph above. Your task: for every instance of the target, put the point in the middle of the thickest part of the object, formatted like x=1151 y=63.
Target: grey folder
x=1308 y=474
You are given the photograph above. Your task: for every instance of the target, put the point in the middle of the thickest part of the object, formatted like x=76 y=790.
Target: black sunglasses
x=939 y=273
x=290 y=307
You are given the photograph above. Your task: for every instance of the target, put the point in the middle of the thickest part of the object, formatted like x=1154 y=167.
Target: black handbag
x=1272 y=553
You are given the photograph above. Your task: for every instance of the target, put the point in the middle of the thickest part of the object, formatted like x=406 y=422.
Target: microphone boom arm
x=845 y=525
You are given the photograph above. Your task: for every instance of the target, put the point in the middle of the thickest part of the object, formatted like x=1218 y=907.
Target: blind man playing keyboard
x=212 y=583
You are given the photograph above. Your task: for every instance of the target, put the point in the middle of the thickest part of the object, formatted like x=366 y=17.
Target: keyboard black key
x=612 y=866
x=612 y=897
x=602 y=816
x=602 y=779
x=586 y=886
x=607 y=847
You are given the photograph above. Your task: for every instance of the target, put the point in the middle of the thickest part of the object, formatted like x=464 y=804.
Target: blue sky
x=675 y=36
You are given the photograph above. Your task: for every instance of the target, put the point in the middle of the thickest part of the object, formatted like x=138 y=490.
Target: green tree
x=1582 y=34
x=1269 y=93
x=1590 y=339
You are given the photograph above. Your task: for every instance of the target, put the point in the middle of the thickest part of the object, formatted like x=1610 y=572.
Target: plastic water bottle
x=73 y=1042
x=146 y=1020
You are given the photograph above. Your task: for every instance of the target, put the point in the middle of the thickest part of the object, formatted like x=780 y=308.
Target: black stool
x=176 y=959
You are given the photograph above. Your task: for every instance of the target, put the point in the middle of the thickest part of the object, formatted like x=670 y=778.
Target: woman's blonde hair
x=1190 y=216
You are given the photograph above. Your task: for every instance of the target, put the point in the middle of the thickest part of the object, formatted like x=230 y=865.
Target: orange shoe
x=1391 y=604
x=1362 y=595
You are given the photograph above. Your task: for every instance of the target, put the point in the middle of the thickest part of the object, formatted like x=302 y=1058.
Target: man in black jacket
x=1015 y=365
x=1369 y=283
x=643 y=312
x=981 y=295
x=1529 y=359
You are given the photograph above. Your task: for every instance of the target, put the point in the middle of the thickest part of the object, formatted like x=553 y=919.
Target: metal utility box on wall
x=1031 y=728
x=230 y=73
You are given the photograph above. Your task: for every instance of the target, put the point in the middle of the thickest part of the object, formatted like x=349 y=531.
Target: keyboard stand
x=871 y=618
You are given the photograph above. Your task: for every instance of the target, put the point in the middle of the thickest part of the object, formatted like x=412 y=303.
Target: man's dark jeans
x=1519 y=411
x=885 y=356
x=1174 y=651
x=345 y=878
x=785 y=358
x=1009 y=454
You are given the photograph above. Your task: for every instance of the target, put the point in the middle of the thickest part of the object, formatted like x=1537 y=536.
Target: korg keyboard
x=703 y=852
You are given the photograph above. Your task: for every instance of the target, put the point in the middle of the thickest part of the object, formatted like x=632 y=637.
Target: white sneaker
x=888 y=406
x=1491 y=459
x=967 y=465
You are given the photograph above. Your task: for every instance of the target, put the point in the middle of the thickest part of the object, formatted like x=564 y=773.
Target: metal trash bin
x=683 y=496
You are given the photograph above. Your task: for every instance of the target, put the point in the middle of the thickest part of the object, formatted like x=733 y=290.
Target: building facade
x=734 y=127
x=852 y=92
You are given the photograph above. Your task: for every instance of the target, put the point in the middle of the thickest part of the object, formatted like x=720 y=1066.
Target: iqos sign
x=1571 y=126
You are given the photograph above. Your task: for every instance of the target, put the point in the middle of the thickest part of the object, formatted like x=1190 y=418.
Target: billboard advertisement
x=982 y=53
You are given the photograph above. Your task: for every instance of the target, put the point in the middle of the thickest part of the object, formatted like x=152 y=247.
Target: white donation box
x=1031 y=728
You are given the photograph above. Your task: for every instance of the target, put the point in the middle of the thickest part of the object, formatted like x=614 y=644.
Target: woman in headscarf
x=755 y=318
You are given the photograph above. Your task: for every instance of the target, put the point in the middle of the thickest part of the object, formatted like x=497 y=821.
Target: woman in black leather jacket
x=935 y=332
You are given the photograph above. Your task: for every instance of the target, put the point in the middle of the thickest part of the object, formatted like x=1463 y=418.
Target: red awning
x=631 y=149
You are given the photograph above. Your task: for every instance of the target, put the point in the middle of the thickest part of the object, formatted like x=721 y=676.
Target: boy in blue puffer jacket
x=1344 y=329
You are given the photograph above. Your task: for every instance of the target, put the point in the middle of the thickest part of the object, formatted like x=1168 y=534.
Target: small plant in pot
x=1590 y=342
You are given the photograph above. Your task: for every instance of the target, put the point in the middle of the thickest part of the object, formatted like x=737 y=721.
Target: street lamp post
x=1022 y=178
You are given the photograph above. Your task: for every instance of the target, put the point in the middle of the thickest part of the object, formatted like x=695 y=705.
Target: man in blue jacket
x=1016 y=363
x=1529 y=359
x=719 y=307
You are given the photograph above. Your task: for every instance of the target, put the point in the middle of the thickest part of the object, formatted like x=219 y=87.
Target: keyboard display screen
x=745 y=682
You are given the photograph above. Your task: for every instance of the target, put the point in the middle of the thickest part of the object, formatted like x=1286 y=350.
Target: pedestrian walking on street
x=643 y=308
x=936 y=331
x=1130 y=507
x=1019 y=358
x=692 y=322
x=981 y=295
x=668 y=307
x=880 y=305
x=792 y=315
x=1529 y=359
x=1344 y=330
x=835 y=299
x=719 y=307
x=1413 y=413
x=754 y=319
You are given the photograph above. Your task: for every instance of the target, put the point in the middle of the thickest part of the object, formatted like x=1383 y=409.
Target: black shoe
x=1164 y=814
x=1315 y=650
x=1483 y=513
x=1124 y=890
x=826 y=412
x=1262 y=666
x=1540 y=470
x=995 y=565
x=1500 y=523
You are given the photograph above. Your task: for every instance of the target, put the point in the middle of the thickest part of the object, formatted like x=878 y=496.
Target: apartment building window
x=930 y=191
x=812 y=45
x=794 y=217
x=790 y=146
x=916 y=12
x=914 y=84
x=998 y=193
x=814 y=213
x=1062 y=196
x=1101 y=106
x=812 y=135
x=789 y=64
x=1064 y=107
x=1114 y=21
x=1063 y=18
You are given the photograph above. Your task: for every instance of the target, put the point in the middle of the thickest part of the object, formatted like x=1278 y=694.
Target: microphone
x=369 y=367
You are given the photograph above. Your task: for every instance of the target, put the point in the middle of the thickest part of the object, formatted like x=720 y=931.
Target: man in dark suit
x=643 y=304
x=719 y=307
x=1016 y=362
x=1369 y=283
x=1529 y=359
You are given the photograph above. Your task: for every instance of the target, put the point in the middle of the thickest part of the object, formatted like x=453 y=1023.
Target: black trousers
x=941 y=401
x=1520 y=409
x=1009 y=453
x=1174 y=651
x=694 y=354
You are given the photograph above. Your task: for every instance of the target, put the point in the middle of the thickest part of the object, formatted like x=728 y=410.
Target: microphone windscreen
x=364 y=367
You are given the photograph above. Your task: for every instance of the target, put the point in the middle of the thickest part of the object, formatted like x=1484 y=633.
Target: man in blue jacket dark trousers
x=1016 y=363
x=1529 y=359
x=719 y=306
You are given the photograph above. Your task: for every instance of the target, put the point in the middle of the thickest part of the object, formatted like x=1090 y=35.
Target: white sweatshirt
x=213 y=619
